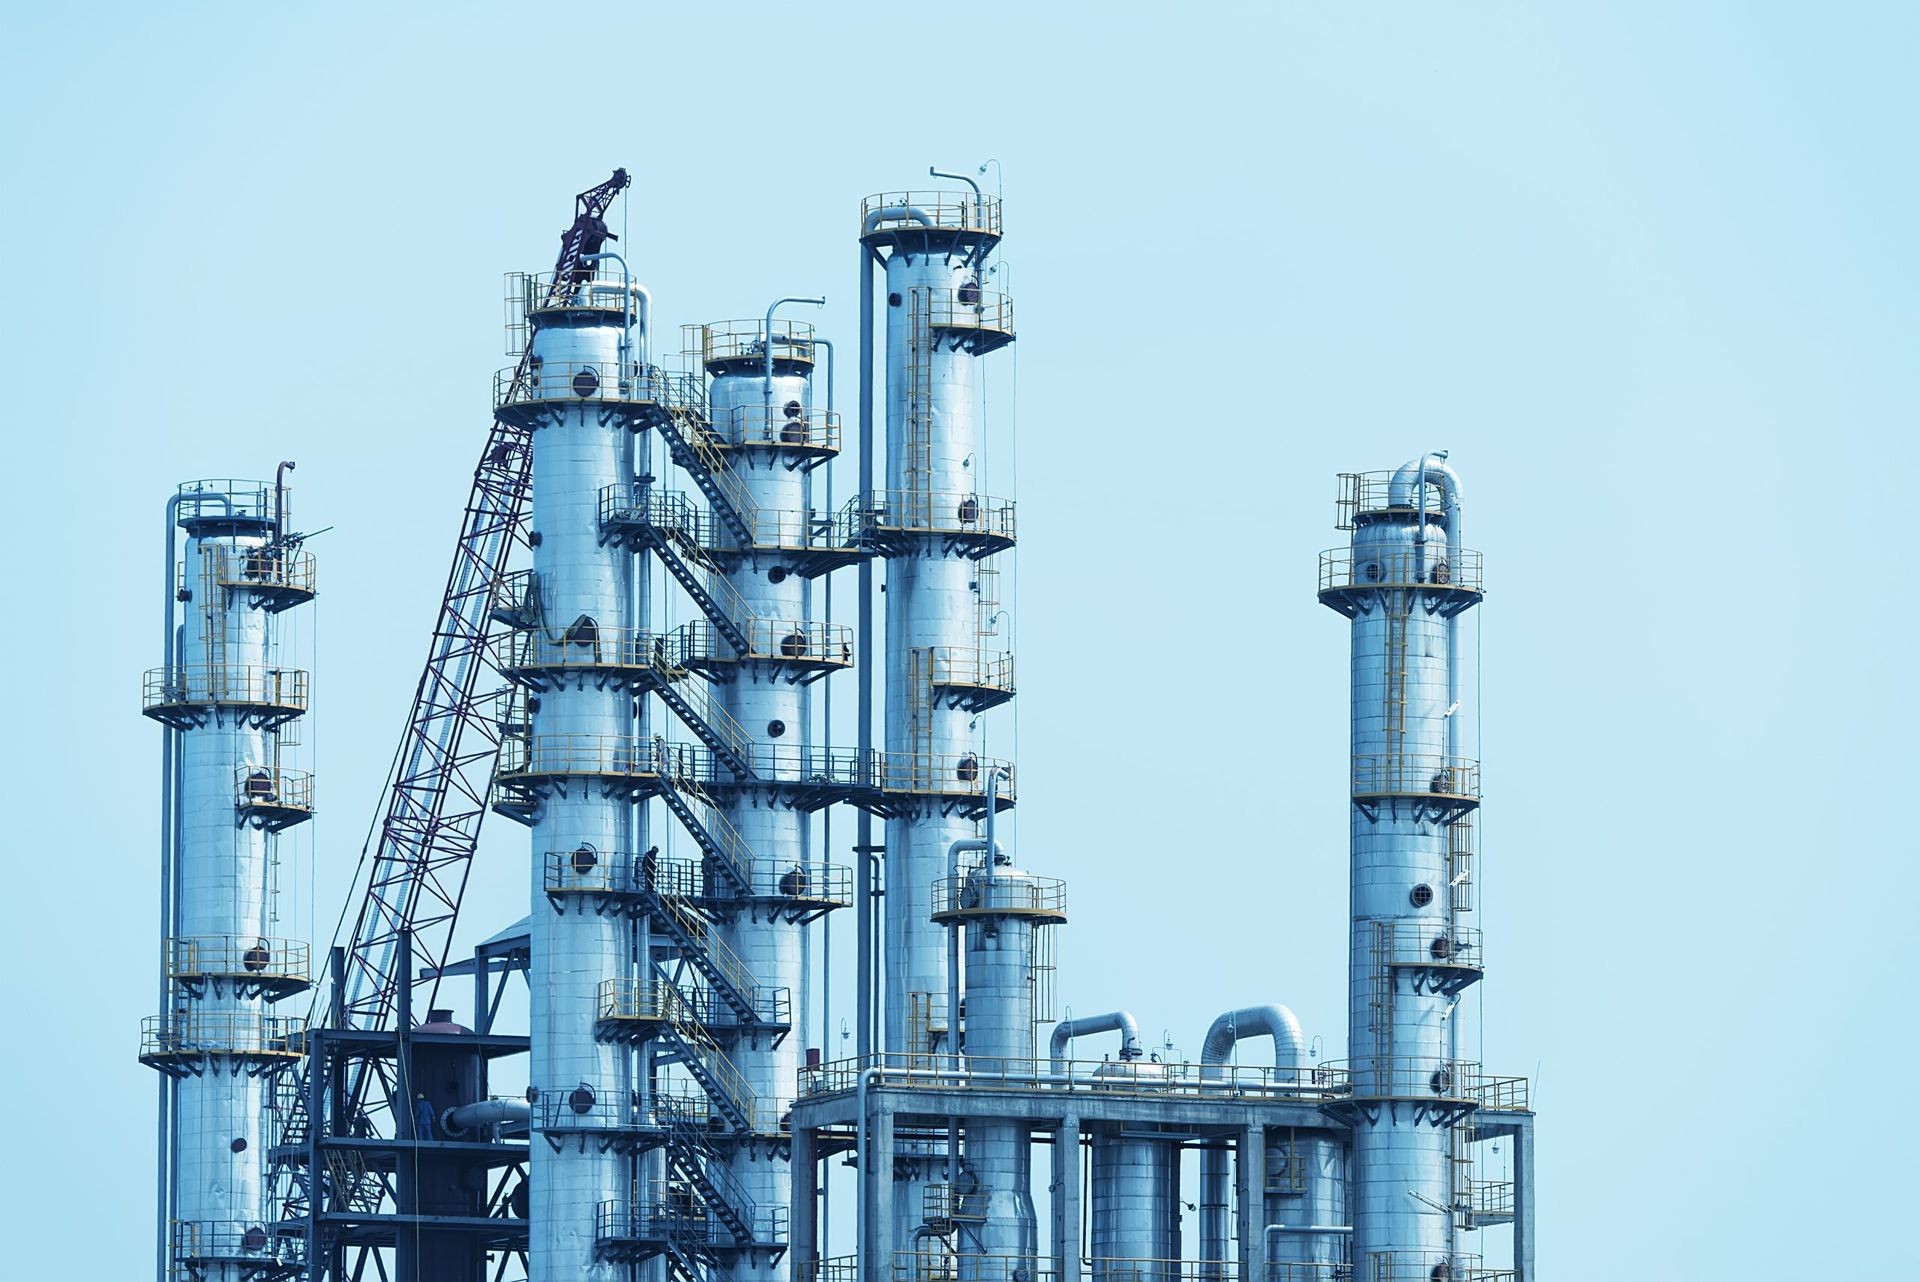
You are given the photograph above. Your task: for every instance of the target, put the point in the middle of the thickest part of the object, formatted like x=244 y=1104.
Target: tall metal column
x=937 y=529
x=766 y=437
x=1402 y=582
x=230 y=706
x=1004 y=913
x=574 y=760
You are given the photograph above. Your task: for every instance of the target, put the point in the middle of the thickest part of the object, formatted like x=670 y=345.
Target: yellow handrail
x=1416 y=774
x=956 y=512
x=944 y=210
x=237 y=956
x=1427 y=568
x=273 y=786
x=261 y=567
x=251 y=685
x=955 y=665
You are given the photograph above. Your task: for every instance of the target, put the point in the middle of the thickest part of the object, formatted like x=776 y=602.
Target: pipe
x=766 y=339
x=863 y=823
x=863 y=1172
x=994 y=777
x=509 y=1115
x=978 y=197
x=1119 y=1021
x=941 y=173
x=954 y=852
x=1289 y=1053
x=173 y=522
x=1277 y=1022
x=826 y=736
x=1428 y=469
x=280 y=499
x=1308 y=1228
x=629 y=291
x=958 y=848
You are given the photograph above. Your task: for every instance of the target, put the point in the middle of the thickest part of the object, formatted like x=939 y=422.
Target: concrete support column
x=1251 y=1174
x=1066 y=1198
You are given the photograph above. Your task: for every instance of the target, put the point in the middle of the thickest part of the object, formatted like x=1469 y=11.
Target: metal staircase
x=732 y=1097
x=712 y=724
x=710 y=829
x=716 y=963
x=694 y=448
x=717 y=1189
x=719 y=1217
x=676 y=547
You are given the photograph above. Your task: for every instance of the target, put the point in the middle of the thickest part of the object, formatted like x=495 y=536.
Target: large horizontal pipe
x=509 y=1115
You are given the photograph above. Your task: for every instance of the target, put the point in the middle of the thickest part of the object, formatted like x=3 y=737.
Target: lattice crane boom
x=436 y=793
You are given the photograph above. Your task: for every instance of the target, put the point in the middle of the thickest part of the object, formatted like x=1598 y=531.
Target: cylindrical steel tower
x=1134 y=1190
x=768 y=436
x=229 y=706
x=1402 y=582
x=936 y=527
x=1004 y=914
x=583 y=759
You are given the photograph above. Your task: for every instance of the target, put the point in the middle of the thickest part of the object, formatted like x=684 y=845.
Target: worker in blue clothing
x=422 y=1118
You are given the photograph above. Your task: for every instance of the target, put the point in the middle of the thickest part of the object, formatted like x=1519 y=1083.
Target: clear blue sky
x=1646 y=269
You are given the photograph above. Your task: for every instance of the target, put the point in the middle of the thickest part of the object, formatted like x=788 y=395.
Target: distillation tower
x=938 y=532
x=580 y=757
x=1404 y=581
x=229 y=709
x=755 y=454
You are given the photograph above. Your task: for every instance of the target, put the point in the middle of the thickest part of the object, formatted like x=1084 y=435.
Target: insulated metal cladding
x=229 y=786
x=938 y=528
x=1402 y=582
x=1003 y=914
x=768 y=547
x=1134 y=1189
x=575 y=759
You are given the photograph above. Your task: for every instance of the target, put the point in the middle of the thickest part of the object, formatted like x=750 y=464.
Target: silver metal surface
x=1000 y=960
x=219 y=697
x=1118 y=1021
x=577 y=452
x=747 y=399
x=935 y=446
x=1134 y=1192
x=1401 y=1040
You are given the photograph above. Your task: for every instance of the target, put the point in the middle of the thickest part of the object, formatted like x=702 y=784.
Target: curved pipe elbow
x=890 y=212
x=1277 y=1022
x=1118 y=1021
x=1404 y=491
